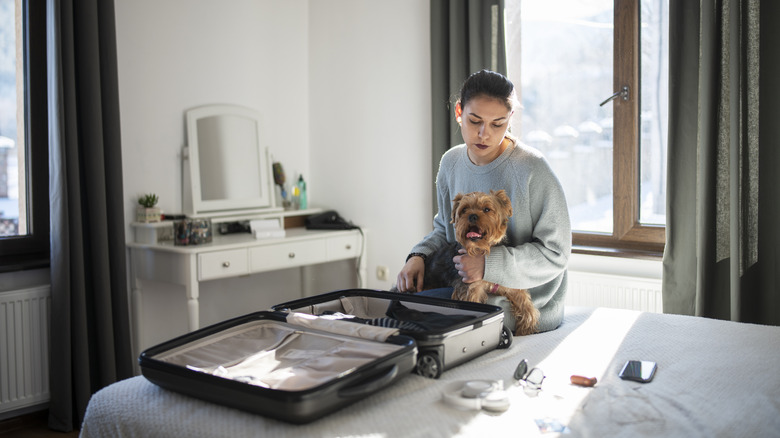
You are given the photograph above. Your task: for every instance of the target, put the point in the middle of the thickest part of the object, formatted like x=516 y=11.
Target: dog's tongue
x=473 y=235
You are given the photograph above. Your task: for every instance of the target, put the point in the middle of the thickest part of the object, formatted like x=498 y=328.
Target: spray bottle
x=302 y=201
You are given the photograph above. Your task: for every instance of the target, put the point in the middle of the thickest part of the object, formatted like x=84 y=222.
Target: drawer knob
x=291 y=255
x=225 y=264
x=349 y=247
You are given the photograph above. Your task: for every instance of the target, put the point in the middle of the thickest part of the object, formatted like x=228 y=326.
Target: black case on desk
x=171 y=366
x=438 y=349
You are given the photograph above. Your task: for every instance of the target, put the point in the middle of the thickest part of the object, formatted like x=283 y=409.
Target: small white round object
x=475 y=388
x=476 y=395
x=496 y=401
x=453 y=396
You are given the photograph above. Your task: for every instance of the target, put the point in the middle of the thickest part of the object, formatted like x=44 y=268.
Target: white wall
x=343 y=90
x=370 y=121
x=177 y=54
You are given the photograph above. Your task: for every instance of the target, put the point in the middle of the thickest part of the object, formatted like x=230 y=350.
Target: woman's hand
x=470 y=268
x=410 y=279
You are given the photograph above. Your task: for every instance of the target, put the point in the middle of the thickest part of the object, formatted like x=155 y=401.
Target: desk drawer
x=288 y=255
x=221 y=264
x=343 y=247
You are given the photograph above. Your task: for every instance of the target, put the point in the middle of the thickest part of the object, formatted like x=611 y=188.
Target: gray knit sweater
x=539 y=232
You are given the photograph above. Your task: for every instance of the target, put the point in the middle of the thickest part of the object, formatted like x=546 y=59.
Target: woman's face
x=483 y=123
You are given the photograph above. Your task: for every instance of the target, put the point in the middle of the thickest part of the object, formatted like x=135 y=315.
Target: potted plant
x=146 y=210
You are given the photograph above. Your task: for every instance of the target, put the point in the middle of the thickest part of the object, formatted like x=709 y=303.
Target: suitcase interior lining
x=373 y=307
x=275 y=355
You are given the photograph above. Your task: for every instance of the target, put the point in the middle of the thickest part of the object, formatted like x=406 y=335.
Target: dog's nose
x=473 y=217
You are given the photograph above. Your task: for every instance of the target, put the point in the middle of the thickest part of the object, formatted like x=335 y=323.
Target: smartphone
x=638 y=371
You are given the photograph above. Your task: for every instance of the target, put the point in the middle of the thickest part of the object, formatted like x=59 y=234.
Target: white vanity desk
x=228 y=176
x=234 y=255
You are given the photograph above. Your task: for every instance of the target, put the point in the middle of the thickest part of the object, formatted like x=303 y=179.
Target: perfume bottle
x=302 y=201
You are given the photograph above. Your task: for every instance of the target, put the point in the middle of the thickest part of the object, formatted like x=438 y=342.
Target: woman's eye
x=475 y=122
x=498 y=125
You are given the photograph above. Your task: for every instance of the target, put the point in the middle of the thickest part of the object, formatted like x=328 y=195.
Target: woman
x=539 y=232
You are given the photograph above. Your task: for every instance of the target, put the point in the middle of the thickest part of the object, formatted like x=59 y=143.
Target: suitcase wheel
x=429 y=365
x=506 y=338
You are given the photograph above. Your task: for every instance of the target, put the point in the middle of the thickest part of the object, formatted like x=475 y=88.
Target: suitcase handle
x=374 y=385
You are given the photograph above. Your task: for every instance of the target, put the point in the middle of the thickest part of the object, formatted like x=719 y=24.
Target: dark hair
x=490 y=84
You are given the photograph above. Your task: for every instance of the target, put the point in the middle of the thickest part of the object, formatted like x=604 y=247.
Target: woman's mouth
x=481 y=146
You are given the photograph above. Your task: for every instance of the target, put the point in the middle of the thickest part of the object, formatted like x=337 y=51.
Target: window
x=24 y=203
x=566 y=57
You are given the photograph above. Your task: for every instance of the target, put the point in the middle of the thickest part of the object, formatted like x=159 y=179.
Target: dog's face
x=480 y=220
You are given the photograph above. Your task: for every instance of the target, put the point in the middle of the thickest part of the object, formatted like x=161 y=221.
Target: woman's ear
x=458 y=111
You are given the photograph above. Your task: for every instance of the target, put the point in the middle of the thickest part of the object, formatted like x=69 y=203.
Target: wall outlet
x=382 y=273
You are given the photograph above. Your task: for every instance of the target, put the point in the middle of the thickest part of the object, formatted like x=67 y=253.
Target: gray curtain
x=466 y=36
x=90 y=330
x=721 y=258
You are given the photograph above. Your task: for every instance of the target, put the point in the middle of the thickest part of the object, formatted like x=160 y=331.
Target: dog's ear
x=504 y=200
x=455 y=206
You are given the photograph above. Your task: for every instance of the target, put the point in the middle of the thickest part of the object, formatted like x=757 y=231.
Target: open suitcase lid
x=367 y=304
x=291 y=367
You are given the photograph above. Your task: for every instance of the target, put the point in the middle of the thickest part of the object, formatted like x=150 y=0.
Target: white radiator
x=24 y=348
x=616 y=291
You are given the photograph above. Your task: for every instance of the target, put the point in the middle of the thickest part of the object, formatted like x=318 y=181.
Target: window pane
x=12 y=210
x=654 y=106
x=562 y=71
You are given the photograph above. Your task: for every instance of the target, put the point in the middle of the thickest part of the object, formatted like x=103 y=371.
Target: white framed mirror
x=226 y=170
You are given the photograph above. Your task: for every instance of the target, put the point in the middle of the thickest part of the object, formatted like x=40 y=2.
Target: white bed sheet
x=715 y=378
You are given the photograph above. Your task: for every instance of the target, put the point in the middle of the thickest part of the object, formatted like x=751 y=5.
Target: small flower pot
x=146 y=215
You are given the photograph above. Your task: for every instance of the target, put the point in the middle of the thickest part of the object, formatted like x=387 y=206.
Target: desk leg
x=137 y=308
x=193 y=293
x=193 y=307
x=363 y=265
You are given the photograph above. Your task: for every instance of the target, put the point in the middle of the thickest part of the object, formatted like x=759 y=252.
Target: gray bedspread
x=714 y=379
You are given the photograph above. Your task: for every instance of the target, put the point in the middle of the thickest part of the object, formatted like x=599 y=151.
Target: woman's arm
x=545 y=255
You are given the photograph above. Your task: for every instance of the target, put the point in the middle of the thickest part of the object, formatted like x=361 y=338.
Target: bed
x=714 y=378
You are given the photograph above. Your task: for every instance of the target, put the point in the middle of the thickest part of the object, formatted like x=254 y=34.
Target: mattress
x=714 y=378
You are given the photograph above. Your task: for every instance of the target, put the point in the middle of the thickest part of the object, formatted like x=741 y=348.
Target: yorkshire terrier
x=480 y=222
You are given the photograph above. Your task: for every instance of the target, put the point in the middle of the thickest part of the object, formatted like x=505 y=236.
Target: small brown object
x=583 y=381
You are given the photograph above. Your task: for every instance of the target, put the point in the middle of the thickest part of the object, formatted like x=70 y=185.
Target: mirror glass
x=228 y=169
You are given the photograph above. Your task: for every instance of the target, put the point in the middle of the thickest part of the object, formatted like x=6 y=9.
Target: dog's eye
x=486 y=210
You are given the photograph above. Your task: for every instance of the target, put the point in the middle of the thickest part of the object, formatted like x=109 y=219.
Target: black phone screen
x=638 y=370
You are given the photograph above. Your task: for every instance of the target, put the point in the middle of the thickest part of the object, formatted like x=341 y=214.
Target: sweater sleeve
x=543 y=256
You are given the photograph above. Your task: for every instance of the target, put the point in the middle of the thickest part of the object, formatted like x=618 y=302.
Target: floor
x=31 y=426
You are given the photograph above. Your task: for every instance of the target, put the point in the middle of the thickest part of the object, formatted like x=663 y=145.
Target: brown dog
x=480 y=222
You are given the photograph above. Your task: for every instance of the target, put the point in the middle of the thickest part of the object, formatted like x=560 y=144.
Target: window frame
x=629 y=236
x=32 y=250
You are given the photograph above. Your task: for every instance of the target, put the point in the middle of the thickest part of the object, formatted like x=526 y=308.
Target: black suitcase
x=288 y=366
x=476 y=328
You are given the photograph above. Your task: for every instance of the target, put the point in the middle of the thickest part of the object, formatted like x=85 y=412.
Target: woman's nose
x=482 y=131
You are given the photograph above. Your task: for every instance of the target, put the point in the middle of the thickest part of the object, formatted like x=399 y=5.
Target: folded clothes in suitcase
x=448 y=332
x=289 y=366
